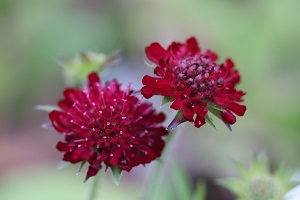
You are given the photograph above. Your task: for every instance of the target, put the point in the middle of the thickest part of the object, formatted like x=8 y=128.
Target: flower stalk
x=94 y=188
x=151 y=184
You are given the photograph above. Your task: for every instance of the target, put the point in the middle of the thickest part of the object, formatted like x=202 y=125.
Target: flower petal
x=177 y=104
x=192 y=46
x=148 y=91
x=91 y=172
x=228 y=117
x=154 y=52
x=82 y=153
x=199 y=121
x=149 y=80
x=238 y=109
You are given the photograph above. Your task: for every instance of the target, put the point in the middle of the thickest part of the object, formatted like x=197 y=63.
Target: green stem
x=94 y=188
x=151 y=185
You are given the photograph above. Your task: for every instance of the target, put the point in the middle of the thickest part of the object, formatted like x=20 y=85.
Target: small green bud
x=257 y=182
x=84 y=63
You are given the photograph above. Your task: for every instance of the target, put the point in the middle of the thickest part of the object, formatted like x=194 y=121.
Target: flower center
x=199 y=72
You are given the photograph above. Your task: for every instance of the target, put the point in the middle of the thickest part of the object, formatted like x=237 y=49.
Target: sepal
x=216 y=111
x=178 y=119
x=166 y=100
x=116 y=172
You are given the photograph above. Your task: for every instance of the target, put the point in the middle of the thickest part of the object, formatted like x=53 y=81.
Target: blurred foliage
x=257 y=182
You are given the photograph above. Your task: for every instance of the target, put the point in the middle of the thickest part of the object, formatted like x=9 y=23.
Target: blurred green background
x=261 y=36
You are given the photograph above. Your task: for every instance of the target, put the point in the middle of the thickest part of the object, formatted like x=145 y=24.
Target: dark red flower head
x=107 y=125
x=194 y=82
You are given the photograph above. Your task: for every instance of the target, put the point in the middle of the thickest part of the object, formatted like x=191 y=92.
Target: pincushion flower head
x=105 y=125
x=194 y=82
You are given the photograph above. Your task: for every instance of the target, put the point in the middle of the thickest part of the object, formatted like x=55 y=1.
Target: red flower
x=107 y=125
x=194 y=82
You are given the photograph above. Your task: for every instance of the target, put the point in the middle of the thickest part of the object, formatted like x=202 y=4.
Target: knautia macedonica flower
x=194 y=82
x=107 y=125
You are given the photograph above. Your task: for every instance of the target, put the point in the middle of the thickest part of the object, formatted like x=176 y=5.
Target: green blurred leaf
x=181 y=182
x=116 y=173
x=200 y=192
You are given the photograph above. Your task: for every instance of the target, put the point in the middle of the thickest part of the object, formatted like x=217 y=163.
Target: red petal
x=68 y=157
x=55 y=120
x=160 y=118
x=192 y=46
x=148 y=91
x=154 y=52
x=93 y=78
x=188 y=114
x=213 y=56
x=91 y=172
x=149 y=80
x=116 y=154
x=82 y=153
x=228 y=63
x=228 y=117
x=199 y=121
x=164 y=88
x=238 y=109
x=177 y=104
x=149 y=152
x=64 y=147
x=201 y=111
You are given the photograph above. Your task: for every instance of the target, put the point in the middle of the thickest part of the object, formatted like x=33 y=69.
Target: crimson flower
x=194 y=82
x=107 y=125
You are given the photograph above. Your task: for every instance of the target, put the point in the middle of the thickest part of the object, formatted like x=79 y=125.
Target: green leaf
x=166 y=100
x=181 y=182
x=62 y=164
x=178 y=119
x=200 y=192
x=210 y=121
x=82 y=165
x=46 y=108
x=116 y=173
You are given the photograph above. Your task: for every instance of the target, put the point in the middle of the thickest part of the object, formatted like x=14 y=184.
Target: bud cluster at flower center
x=200 y=73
